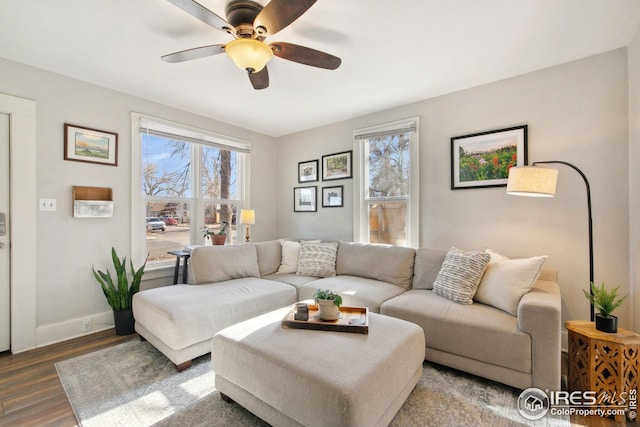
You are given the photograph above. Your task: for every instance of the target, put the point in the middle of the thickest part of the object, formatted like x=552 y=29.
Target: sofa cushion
x=317 y=259
x=290 y=278
x=211 y=264
x=477 y=331
x=505 y=281
x=183 y=315
x=426 y=268
x=355 y=291
x=391 y=264
x=269 y=256
x=460 y=275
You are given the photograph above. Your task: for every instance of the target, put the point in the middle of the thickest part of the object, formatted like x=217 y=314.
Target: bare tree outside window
x=389 y=166
x=388 y=181
x=162 y=177
x=218 y=180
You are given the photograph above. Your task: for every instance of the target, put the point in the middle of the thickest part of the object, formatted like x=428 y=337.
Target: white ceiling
x=393 y=52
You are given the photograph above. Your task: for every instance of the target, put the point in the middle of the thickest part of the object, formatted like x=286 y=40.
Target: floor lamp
x=535 y=181
x=248 y=218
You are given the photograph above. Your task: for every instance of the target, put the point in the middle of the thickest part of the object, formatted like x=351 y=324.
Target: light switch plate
x=47 y=204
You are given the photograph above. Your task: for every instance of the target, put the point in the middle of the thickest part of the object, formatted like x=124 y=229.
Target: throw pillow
x=460 y=275
x=317 y=259
x=290 y=251
x=427 y=265
x=495 y=256
x=505 y=281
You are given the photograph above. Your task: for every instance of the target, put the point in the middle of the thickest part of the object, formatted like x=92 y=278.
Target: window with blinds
x=388 y=190
x=190 y=179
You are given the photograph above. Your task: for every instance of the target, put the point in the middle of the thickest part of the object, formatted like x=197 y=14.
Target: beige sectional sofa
x=234 y=283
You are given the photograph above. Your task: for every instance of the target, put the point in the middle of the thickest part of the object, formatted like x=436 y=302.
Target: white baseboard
x=57 y=332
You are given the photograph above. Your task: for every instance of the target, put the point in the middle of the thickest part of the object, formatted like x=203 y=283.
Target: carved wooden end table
x=604 y=363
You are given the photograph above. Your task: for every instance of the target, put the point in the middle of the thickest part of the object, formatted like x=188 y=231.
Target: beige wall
x=634 y=176
x=65 y=290
x=576 y=112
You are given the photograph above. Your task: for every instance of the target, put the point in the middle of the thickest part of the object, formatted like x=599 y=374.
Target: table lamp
x=248 y=218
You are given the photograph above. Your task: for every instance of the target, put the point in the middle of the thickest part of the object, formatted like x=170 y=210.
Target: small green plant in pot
x=606 y=302
x=329 y=303
x=218 y=238
x=119 y=293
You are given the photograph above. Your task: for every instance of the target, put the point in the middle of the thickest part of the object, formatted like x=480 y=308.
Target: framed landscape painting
x=305 y=199
x=336 y=166
x=308 y=171
x=90 y=145
x=483 y=160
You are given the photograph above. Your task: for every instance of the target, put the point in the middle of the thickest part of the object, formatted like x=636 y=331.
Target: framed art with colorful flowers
x=482 y=160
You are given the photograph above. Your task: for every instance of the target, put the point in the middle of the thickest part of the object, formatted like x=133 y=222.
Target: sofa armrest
x=539 y=315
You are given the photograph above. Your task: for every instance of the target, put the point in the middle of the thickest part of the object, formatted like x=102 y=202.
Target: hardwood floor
x=31 y=394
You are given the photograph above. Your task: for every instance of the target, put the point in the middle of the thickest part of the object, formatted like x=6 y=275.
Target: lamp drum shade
x=532 y=181
x=247 y=216
x=249 y=54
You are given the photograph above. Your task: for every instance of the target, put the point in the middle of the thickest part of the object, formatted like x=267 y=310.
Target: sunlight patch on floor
x=155 y=405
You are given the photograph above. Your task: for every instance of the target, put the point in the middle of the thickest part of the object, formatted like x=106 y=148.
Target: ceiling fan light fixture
x=249 y=54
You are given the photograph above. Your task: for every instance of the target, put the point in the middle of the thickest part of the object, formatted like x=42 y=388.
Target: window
x=387 y=191
x=189 y=179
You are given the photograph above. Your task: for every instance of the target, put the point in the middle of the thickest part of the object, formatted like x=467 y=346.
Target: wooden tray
x=352 y=319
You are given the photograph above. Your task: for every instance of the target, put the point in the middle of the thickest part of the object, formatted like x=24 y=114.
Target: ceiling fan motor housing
x=242 y=13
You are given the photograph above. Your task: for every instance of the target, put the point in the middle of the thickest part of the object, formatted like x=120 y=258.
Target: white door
x=5 y=292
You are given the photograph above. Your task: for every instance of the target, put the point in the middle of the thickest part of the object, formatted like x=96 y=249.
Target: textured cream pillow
x=317 y=259
x=506 y=280
x=460 y=275
x=290 y=251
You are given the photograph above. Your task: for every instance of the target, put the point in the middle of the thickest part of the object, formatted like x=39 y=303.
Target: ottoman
x=299 y=377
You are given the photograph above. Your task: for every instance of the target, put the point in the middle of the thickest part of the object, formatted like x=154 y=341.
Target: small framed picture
x=336 y=166
x=332 y=196
x=483 y=160
x=308 y=171
x=305 y=199
x=90 y=145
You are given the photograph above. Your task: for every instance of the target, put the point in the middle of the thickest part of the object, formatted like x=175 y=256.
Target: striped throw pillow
x=317 y=259
x=460 y=275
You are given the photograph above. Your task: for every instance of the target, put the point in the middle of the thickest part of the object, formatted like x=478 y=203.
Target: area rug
x=134 y=385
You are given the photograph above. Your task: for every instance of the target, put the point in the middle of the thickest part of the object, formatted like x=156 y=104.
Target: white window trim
x=138 y=212
x=360 y=212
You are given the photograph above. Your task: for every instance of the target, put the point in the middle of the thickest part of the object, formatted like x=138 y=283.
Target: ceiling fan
x=250 y=23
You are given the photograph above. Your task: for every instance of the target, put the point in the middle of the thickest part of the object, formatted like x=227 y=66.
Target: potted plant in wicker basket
x=605 y=301
x=119 y=294
x=328 y=303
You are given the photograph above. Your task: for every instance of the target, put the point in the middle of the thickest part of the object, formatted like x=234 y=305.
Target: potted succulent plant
x=219 y=237
x=329 y=303
x=119 y=294
x=605 y=301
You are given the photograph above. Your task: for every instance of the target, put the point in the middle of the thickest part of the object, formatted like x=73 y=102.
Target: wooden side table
x=604 y=363
x=185 y=266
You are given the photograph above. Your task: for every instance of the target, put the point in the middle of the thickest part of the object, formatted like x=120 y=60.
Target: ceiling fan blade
x=278 y=14
x=197 y=10
x=260 y=80
x=195 y=53
x=305 y=55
